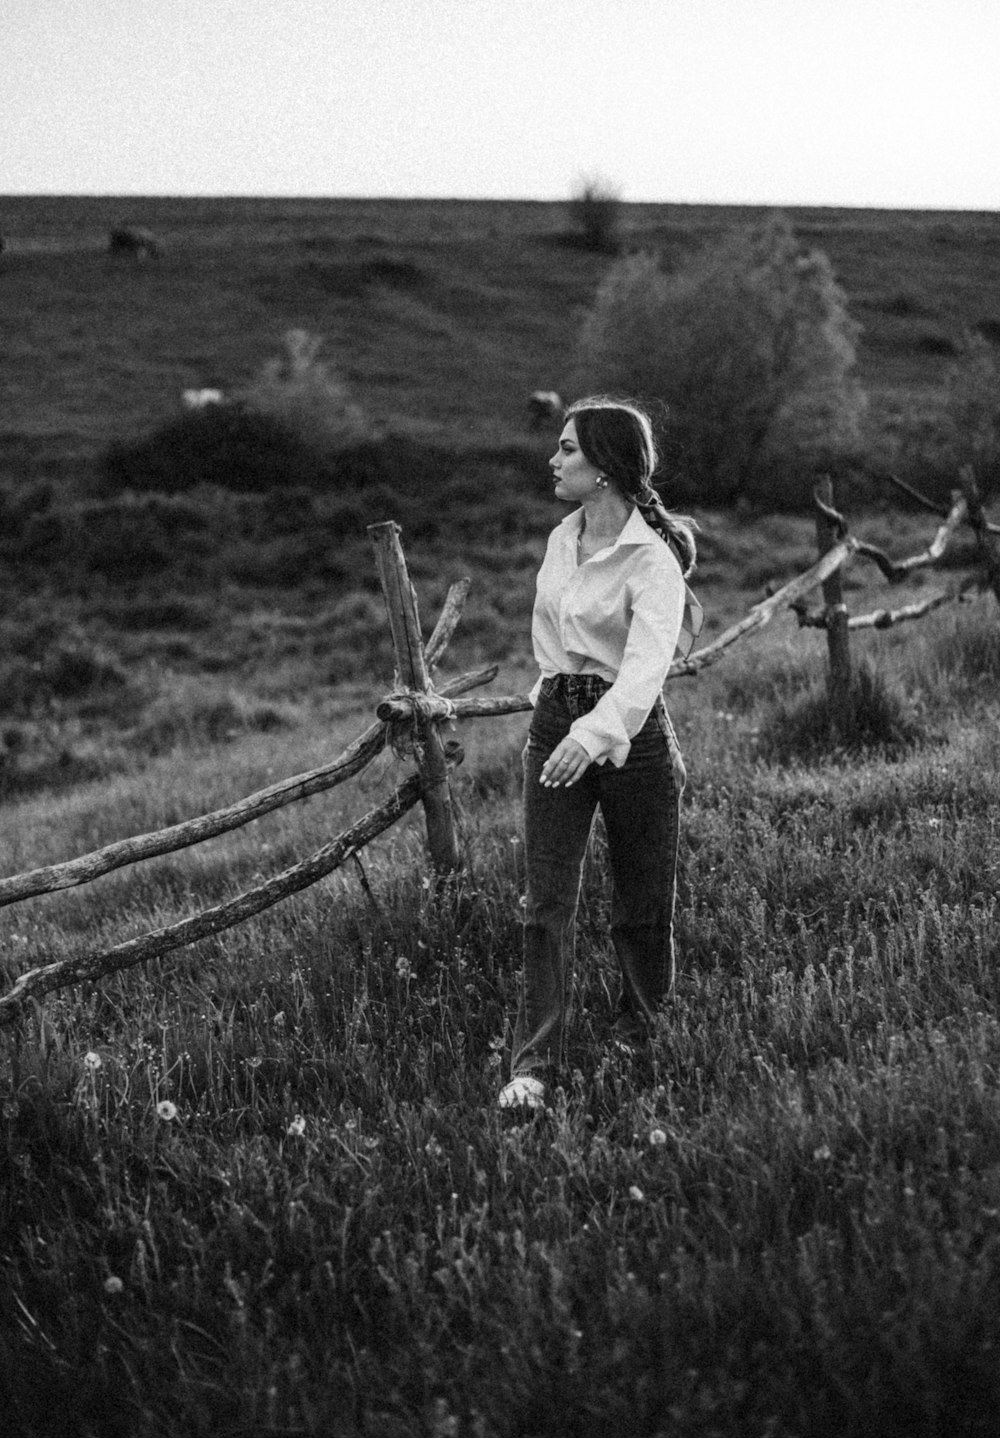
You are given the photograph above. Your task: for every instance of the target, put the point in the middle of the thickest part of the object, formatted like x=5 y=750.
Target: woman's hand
x=567 y=763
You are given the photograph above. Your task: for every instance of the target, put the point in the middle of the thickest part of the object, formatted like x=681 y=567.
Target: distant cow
x=201 y=398
x=544 y=405
x=133 y=240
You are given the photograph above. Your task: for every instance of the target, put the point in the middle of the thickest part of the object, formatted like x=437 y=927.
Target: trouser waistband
x=579 y=692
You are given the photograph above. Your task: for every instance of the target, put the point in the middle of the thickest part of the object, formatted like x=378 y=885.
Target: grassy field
x=261 y=1187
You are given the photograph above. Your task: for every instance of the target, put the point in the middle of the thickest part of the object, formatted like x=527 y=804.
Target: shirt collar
x=634 y=531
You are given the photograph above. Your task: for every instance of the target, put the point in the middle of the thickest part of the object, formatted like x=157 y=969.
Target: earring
x=601 y=482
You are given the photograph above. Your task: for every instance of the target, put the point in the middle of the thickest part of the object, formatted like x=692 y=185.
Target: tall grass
x=263 y=1187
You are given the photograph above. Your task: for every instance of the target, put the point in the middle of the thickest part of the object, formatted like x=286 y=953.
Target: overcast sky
x=764 y=102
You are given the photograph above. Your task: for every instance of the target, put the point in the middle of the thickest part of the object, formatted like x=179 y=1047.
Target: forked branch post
x=412 y=674
x=828 y=532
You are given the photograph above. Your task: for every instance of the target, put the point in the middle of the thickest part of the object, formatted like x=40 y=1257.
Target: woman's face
x=575 y=476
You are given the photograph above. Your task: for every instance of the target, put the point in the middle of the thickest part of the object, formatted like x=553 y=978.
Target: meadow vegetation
x=262 y=1187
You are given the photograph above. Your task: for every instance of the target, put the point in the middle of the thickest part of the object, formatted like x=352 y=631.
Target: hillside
x=440 y=318
x=440 y=315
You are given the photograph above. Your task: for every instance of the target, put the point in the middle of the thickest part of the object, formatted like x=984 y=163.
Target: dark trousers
x=640 y=804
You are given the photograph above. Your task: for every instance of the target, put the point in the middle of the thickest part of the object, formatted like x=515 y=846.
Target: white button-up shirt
x=619 y=615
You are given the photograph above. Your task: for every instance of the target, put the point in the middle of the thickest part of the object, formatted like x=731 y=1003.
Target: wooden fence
x=410 y=718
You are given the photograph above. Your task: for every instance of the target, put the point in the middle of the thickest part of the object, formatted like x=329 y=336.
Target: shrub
x=227 y=445
x=879 y=718
x=70 y=670
x=972 y=409
x=751 y=346
x=595 y=212
x=302 y=393
x=959 y=425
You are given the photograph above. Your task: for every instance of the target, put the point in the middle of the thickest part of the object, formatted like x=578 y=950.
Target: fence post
x=411 y=673
x=837 y=640
x=977 y=518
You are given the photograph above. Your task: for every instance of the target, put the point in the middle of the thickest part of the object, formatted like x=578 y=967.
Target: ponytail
x=677 y=530
x=617 y=436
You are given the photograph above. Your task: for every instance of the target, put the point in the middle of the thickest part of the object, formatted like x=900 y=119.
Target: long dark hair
x=617 y=437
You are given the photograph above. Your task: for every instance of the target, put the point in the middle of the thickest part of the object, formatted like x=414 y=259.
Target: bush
x=226 y=445
x=68 y=671
x=880 y=718
x=751 y=346
x=279 y=433
x=301 y=392
x=972 y=409
x=959 y=426
x=595 y=212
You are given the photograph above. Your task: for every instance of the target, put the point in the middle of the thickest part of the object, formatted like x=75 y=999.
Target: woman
x=611 y=602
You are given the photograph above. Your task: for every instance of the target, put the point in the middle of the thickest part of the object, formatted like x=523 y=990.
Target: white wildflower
x=636 y=1193
x=297 y=1127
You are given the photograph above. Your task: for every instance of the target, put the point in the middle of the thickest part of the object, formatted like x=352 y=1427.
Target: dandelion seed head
x=636 y=1193
x=166 y=1110
x=113 y=1284
x=657 y=1137
x=92 y=1060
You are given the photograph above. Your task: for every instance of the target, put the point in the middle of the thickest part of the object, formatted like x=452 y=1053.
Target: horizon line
x=726 y=204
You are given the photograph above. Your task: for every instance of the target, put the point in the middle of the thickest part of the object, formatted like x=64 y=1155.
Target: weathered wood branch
x=932 y=504
x=451 y=613
x=123 y=852
x=462 y=683
x=823 y=501
x=234 y=911
x=764 y=612
x=879 y=618
x=194 y=831
x=897 y=569
x=887 y=618
x=494 y=706
x=435 y=707
x=915 y=494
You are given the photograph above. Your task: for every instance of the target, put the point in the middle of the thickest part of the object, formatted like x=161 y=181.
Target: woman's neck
x=605 y=516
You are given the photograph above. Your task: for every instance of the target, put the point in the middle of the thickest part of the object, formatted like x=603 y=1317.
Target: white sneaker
x=524 y=1091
